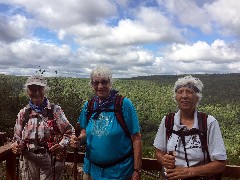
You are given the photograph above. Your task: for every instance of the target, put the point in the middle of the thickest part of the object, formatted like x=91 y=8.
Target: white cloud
x=172 y=38
x=217 y=52
x=14 y=27
x=188 y=13
x=226 y=13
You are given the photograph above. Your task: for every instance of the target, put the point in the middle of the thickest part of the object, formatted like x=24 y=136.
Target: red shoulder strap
x=119 y=114
x=202 y=123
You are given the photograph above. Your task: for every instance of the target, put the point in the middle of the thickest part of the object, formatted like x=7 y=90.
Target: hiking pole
x=17 y=164
x=53 y=162
x=75 y=171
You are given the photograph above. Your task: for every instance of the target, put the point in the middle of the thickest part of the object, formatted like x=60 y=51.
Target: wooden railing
x=147 y=164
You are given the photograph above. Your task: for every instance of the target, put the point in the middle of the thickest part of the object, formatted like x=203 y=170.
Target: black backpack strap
x=169 y=122
x=119 y=114
x=107 y=165
x=202 y=123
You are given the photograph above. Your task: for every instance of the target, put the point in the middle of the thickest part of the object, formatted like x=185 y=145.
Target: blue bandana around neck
x=104 y=104
x=40 y=108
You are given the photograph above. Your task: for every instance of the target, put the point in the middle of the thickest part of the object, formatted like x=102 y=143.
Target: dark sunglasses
x=103 y=82
x=35 y=88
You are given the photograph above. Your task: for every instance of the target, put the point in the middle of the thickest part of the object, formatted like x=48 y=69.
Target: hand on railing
x=56 y=149
x=17 y=147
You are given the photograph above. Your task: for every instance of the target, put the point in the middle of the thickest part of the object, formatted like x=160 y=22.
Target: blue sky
x=134 y=38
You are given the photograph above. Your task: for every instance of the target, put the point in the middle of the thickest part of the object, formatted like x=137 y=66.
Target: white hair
x=103 y=72
x=195 y=82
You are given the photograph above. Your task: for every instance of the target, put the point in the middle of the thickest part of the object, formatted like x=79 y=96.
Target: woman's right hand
x=75 y=141
x=168 y=161
x=17 y=148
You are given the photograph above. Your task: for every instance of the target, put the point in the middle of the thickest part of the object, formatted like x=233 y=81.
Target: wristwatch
x=138 y=170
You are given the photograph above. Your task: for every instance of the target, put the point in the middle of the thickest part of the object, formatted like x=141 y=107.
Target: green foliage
x=151 y=96
x=10 y=88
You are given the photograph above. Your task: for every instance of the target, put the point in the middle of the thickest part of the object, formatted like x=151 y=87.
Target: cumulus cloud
x=188 y=13
x=14 y=27
x=227 y=14
x=217 y=52
x=132 y=37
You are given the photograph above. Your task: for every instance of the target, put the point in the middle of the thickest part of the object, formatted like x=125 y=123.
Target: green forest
x=151 y=95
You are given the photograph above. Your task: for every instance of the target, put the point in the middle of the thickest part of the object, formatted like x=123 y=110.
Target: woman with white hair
x=189 y=143
x=41 y=134
x=111 y=128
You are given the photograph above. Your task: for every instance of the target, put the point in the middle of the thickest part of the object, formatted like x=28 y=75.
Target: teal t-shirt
x=107 y=142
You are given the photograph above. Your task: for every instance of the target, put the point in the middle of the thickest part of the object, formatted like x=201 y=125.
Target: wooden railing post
x=11 y=167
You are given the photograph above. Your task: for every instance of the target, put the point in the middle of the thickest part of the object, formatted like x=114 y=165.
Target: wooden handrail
x=6 y=154
x=148 y=164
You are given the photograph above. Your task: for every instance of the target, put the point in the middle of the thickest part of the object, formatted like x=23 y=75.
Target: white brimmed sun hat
x=36 y=80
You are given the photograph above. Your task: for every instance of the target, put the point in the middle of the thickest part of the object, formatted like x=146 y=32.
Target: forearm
x=82 y=136
x=137 y=150
x=209 y=169
x=17 y=132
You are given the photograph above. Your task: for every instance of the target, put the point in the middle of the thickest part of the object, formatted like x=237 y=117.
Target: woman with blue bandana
x=111 y=153
x=41 y=134
x=189 y=144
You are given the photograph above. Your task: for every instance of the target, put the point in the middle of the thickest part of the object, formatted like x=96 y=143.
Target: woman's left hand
x=178 y=173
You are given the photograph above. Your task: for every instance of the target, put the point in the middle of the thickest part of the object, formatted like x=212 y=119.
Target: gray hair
x=103 y=72
x=192 y=81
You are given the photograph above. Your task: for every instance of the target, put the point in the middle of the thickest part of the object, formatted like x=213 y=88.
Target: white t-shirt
x=194 y=151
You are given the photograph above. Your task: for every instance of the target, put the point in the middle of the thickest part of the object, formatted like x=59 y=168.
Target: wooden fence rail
x=147 y=163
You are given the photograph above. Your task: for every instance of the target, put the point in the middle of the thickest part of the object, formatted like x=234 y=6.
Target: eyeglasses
x=103 y=82
x=35 y=88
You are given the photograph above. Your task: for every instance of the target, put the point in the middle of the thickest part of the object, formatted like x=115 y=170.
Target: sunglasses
x=35 y=88
x=103 y=82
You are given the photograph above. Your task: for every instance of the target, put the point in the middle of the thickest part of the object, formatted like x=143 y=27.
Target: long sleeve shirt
x=38 y=129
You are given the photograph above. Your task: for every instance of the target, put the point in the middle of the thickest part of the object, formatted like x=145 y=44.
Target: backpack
x=202 y=132
x=46 y=113
x=117 y=109
x=51 y=123
x=120 y=118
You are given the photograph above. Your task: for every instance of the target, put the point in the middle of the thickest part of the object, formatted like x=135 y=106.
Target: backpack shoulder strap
x=50 y=114
x=119 y=114
x=202 y=123
x=169 y=122
x=90 y=106
x=26 y=114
